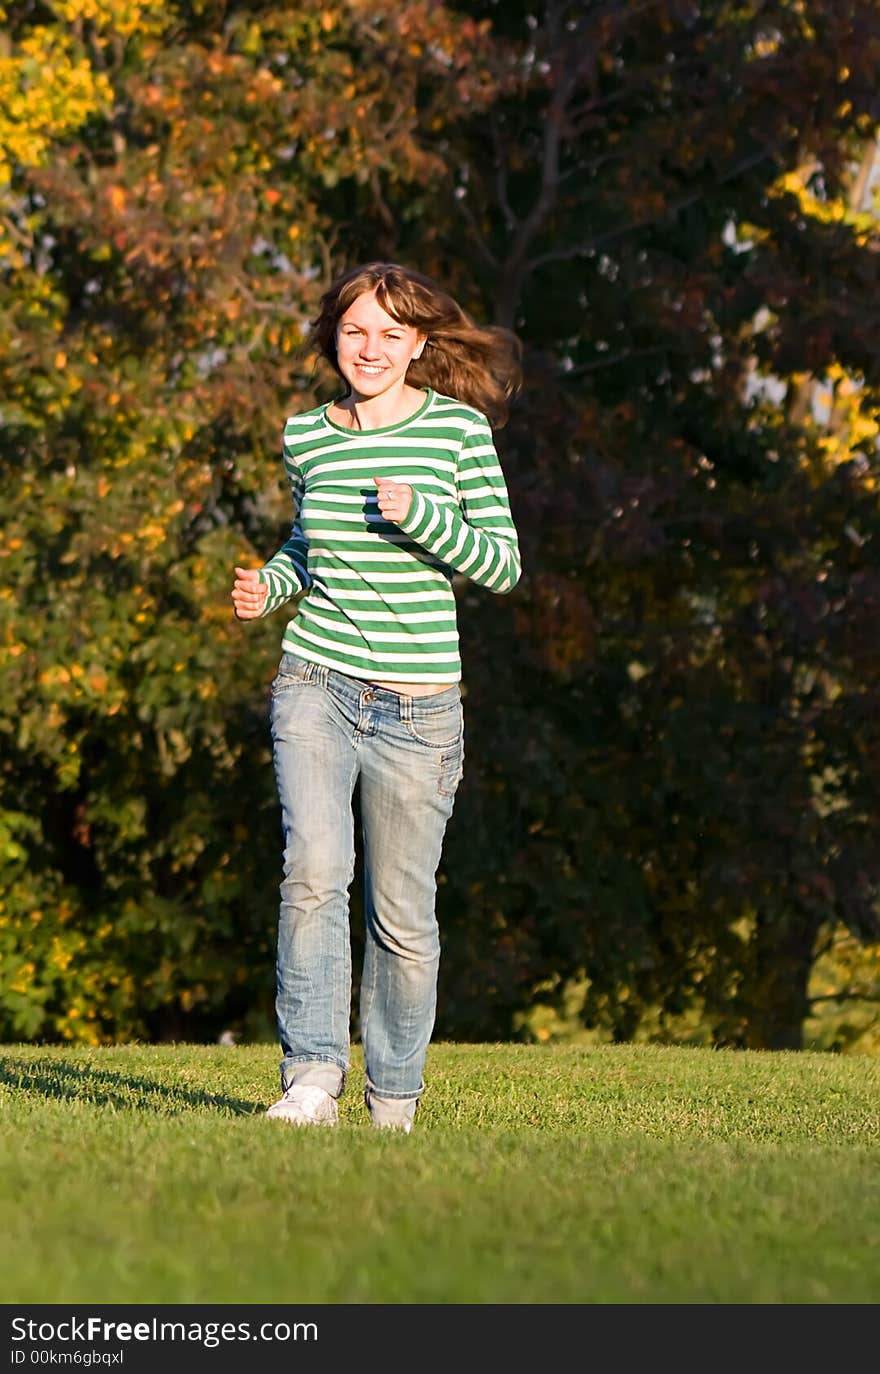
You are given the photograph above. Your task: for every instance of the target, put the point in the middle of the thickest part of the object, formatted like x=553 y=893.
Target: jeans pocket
x=451 y=769
x=292 y=671
x=438 y=728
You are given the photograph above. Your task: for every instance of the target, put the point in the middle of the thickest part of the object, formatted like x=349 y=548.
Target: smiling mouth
x=370 y=371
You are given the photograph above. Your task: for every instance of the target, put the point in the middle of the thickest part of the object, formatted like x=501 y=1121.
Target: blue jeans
x=328 y=730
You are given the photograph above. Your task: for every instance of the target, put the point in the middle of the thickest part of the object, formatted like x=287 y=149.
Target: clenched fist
x=394 y=498
x=248 y=593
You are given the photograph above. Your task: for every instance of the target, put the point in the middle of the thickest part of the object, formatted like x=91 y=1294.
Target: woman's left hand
x=394 y=498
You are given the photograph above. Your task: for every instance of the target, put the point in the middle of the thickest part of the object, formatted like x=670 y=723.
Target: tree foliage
x=672 y=778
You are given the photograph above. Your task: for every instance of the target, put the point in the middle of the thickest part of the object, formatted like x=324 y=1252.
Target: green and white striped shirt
x=378 y=599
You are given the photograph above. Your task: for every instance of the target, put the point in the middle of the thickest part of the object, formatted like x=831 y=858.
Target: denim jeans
x=328 y=731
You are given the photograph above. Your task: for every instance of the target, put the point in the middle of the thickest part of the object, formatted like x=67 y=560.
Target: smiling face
x=373 y=349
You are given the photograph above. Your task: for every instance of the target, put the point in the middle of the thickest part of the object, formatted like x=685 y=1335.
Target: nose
x=371 y=347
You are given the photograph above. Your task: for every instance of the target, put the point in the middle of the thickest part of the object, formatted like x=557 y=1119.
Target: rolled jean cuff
x=390 y=1111
x=385 y=1096
x=317 y=1073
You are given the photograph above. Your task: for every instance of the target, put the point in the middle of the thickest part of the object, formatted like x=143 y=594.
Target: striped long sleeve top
x=374 y=599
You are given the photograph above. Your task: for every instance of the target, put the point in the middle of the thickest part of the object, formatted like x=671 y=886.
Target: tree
x=167 y=238
x=698 y=797
x=671 y=777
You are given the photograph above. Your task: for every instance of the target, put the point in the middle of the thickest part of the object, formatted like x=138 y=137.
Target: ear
x=421 y=347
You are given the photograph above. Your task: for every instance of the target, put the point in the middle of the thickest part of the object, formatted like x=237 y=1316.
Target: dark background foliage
x=671 y=786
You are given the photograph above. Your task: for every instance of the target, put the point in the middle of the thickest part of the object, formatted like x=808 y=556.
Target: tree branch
x=479 y=239
x=612 y=359
x=599 y=240
x=510 y=218
x=845 y=995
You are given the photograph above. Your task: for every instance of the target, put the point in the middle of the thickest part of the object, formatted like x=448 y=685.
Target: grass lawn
x=535 y=1174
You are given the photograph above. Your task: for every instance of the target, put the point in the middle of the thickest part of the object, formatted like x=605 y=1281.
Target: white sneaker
x=305 y=1104
x=404 y=1126
x=389 y=1114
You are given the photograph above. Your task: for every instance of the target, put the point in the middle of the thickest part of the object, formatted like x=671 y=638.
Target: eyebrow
x=350 y=324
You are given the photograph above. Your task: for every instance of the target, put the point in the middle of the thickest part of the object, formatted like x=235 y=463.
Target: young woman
x=396 y=486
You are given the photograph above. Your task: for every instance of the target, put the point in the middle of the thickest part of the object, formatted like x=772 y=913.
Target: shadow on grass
x=80 y=1083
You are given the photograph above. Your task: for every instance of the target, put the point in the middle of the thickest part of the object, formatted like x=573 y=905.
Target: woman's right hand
x=248 y=594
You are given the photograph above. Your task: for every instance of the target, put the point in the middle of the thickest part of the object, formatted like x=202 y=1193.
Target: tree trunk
x=775 y=1003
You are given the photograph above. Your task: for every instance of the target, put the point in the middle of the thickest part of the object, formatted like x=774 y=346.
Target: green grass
x=535 y=1174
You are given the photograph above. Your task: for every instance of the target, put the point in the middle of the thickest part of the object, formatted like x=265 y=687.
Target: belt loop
x=405 y=707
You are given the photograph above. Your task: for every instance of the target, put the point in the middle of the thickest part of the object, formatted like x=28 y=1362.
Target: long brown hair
x=474 y=364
